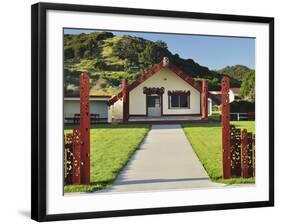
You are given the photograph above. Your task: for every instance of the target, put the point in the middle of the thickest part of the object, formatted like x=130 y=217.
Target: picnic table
x=76 y=118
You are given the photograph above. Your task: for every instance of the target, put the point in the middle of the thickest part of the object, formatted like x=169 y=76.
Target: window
x=179 y=100
x=174 y=101
x=183 y=100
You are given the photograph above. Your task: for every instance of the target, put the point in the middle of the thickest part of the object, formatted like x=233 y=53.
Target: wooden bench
x=76 y=118
x=94 y=117
x=69 y=119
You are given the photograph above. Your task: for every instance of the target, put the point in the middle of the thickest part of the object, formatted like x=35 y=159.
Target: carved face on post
x=165 y=61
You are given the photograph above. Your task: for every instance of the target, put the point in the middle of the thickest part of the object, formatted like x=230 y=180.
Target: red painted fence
x=238 y=148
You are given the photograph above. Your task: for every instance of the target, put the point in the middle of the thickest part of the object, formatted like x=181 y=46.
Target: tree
x=248 y=86
x=68 y=52
x=128 y=48
x=100 y=65
x=71 y=79
x=161 y=44
x=152 y=54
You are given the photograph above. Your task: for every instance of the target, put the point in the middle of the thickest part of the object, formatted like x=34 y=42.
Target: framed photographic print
x=139 y=111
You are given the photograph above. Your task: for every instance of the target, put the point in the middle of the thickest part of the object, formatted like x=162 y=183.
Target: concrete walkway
x=165 y=160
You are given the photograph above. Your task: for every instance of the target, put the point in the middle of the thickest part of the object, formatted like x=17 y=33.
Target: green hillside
x=236 y=72
x=108 y=59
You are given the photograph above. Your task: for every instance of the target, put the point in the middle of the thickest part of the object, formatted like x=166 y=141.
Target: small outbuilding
x=99 y=109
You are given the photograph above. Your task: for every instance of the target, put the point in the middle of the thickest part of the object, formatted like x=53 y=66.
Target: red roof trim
x=153 y=70
x=115 y=98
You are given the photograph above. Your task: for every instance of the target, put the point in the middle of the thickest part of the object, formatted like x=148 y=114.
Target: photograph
x=148 y=111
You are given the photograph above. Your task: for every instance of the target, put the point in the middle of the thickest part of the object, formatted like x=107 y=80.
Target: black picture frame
x=38 y=108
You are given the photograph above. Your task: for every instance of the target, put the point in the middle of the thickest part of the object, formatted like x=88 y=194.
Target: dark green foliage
x=100 y=65
x=242 y=106
x=102 y=35
x=68 y=52
x=161 y=44
x=152 y=54
x=71 y=82
x=237 y=72
x=83 y=45
x=114 y=67
x=129 y=48
x=248 y=86
x=71 y=79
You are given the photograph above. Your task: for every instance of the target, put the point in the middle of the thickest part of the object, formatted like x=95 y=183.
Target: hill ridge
x=109 y=58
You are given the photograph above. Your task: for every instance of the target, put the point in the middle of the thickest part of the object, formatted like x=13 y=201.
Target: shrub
x=242 y=106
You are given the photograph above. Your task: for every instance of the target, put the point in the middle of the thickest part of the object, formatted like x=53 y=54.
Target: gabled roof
x=153 y=70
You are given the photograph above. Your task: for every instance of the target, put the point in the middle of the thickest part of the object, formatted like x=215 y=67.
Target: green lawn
x=206 y=142
x=111 y=148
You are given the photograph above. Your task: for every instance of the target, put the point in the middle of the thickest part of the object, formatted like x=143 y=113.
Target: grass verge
x=112 y=146
x=206 y=142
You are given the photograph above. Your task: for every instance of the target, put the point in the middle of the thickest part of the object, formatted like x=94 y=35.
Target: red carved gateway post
x=85 y=127
x=204 y=100
x=254 y=155
x=68 y=162
x=225 y=121
x=250 y=154
x=244 y=173
x=125 y=100
x=76 y=156
x=235 y=151
x=72 y=157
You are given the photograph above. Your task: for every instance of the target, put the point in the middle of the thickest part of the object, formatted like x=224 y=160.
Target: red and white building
x=163 y=94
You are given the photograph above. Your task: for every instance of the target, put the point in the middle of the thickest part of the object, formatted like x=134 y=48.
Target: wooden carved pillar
x=125 y=94
x=68 y=158
x=225 y=121
x=250 y=154
x=204 y=100
x=235 y=151
x=76 y=157
x=254 y=155
x=245 y=168
x=85 y=127
x=72 y=157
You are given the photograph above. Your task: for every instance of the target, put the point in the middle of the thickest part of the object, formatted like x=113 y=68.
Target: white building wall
x=109 y=114
x=117 y=110
x=70 y=108
x=210 y=105
x=96 y=107
x=231 y=96
x=170 y=81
